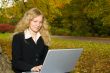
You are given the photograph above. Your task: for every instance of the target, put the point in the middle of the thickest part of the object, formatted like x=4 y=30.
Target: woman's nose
x=38 y=25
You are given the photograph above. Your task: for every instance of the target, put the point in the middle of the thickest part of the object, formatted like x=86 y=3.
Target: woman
x=30 y=43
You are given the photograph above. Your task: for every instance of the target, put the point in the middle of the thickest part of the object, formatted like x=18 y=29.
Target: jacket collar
x=27 y=35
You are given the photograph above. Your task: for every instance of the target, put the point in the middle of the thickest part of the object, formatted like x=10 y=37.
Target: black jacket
x=26 y=53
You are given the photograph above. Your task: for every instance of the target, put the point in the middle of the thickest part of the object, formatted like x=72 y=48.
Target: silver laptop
x=60 y=61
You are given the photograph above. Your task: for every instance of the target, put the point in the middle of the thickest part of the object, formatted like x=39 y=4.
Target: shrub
x=60 y=31
x=6 y=28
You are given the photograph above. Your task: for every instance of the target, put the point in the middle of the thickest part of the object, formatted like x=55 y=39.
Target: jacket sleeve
x=17 y=62
x=44 y=54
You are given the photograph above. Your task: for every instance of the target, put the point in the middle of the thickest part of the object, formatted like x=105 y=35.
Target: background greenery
x=69 y=17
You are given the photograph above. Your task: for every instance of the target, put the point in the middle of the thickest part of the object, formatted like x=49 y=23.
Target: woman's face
x=36 y=23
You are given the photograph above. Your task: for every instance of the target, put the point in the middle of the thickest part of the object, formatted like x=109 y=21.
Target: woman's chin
x=36 y=31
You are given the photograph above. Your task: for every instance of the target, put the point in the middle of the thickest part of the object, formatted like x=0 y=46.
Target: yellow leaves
x=59 y=3
x=94 y=59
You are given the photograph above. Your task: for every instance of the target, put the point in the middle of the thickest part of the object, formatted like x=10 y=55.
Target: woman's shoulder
x=20 y=34
x=42 y=40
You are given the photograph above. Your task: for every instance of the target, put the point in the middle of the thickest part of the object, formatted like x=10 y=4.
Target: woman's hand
x=36 y=68
x=39 y=67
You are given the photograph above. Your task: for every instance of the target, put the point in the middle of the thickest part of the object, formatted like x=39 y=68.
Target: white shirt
x=27 y=35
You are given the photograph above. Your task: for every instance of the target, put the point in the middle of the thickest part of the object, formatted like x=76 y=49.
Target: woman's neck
x=33 y=34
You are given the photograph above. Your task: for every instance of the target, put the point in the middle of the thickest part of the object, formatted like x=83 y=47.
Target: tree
x=87 y=17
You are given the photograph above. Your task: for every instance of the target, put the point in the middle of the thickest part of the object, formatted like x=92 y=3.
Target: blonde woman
x=30 y=43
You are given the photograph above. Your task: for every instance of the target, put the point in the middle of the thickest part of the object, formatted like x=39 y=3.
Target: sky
x=10 y=2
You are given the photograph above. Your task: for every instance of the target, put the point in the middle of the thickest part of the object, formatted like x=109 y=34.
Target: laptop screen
x=61 y=60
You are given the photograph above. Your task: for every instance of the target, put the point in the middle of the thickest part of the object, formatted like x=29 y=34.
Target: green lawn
x=5 y=35
x=94 y=59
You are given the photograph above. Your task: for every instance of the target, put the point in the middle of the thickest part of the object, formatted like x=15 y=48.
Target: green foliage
x=106 y=20
x=94 y=9
x=86 y=17
x=60 y=31
x=79 y=17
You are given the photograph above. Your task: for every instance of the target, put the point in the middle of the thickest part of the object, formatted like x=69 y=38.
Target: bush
x=60 y=31
x=6 y=28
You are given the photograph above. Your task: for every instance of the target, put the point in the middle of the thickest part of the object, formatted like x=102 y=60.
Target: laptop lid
x=61 y=60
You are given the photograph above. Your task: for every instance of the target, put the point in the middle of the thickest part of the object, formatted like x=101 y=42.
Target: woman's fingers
x=36 y=68
x=40 y=67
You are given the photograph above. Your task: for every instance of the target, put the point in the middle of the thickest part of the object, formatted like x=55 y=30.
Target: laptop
x=60 y=61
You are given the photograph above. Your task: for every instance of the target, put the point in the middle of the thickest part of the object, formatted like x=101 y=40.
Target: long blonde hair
x=24 y=24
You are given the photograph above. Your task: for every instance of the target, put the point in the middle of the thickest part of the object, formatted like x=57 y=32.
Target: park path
x=93 y=39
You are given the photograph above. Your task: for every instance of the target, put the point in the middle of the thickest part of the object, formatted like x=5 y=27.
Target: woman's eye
x=35 y=21
x=38 y=22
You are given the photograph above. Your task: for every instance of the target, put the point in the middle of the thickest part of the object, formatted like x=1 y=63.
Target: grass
x=5 y=35
x=94 y=59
